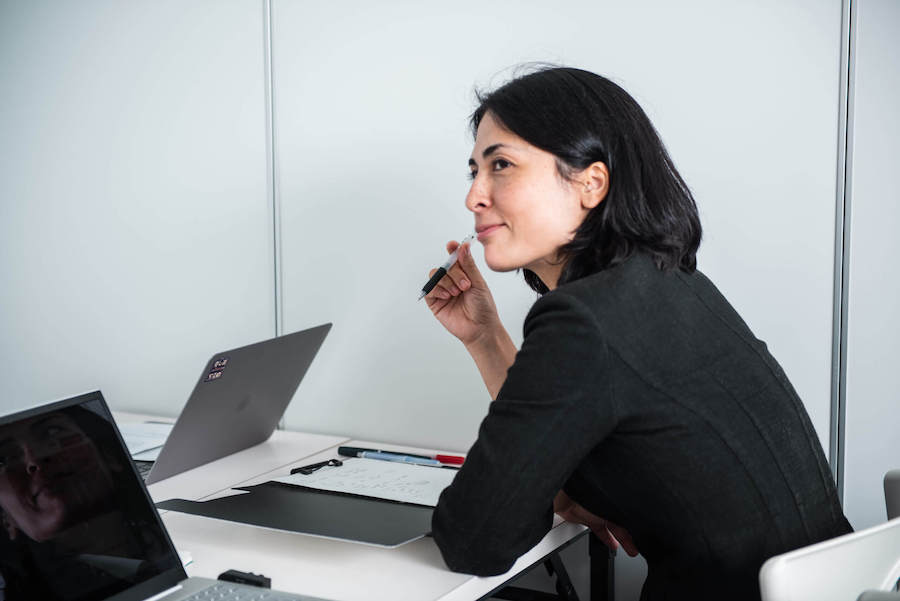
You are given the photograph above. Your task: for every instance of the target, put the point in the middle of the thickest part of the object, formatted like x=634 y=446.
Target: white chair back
x=892 y=493
x=838 y=569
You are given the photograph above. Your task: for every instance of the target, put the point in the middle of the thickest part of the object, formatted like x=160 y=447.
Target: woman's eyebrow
x=491 y=150
x=488 y=151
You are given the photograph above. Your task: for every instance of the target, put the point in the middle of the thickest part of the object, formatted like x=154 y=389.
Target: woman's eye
x=472 y=174
x=499 y=164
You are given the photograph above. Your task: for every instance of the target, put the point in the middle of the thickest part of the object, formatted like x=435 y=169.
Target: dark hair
x=581 y=118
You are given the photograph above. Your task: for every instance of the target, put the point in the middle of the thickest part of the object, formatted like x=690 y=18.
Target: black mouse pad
x=309 y=511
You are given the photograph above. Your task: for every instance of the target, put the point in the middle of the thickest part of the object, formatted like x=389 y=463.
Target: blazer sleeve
x=555 y=405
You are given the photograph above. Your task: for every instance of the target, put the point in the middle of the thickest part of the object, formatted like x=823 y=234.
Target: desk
x=332 y=569
x=282 y=448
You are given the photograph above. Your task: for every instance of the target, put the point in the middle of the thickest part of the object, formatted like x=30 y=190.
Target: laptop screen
x=77 y=523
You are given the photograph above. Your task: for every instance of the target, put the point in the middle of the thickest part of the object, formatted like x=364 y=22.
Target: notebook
x=238 y=400
x=79 y=523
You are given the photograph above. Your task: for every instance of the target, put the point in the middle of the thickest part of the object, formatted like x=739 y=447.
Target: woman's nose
x=30 y=459
x=478 y=197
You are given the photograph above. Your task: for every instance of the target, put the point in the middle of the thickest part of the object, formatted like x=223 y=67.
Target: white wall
x=872 y=434
x=371 y=152
x=135 y=226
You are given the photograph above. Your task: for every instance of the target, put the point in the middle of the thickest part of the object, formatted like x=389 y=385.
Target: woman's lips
x=488 y=231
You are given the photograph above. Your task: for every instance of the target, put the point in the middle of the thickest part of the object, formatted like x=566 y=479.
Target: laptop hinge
x=165 y=593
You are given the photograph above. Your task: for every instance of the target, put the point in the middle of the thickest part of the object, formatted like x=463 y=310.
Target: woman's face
x=524 y=210
x=51 y=475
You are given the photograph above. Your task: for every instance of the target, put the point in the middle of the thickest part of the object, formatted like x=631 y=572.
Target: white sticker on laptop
x=218 y=367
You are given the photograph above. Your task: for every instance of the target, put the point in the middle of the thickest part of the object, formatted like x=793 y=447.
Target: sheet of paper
x=420 y=484
x=185 y=557
x=144 y=436
x=148 y=455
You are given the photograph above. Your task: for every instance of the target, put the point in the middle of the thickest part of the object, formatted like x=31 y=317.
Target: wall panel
x=371 y=101
x=872 y=442
x=371 y=146
x=135 y=223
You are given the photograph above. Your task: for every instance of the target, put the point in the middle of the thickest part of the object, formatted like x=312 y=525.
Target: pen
x=358 y=452
x=399 y=458
x=442 y=270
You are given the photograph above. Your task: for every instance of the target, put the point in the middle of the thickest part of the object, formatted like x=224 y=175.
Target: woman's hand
x=461 y=301
x=610 y=534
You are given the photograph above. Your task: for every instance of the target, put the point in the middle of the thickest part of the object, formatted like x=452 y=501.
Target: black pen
x=443 y=269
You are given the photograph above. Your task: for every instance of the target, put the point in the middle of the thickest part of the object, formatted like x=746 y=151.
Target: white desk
x=331 y=569
x=281 y=449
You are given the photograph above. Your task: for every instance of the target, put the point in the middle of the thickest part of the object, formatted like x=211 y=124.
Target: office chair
x=892 y=493
x=880 y=596
x=840 y=568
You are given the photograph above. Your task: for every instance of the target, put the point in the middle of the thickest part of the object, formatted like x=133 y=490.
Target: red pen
x=450 y=459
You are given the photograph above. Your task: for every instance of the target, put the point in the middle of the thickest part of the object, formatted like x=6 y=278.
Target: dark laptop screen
x=77 y=524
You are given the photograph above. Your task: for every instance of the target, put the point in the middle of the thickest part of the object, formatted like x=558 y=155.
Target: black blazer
x=645 y=397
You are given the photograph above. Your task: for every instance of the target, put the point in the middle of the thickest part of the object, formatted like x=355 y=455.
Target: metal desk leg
x=603 y=571
x=565 y=590
x=564 y=587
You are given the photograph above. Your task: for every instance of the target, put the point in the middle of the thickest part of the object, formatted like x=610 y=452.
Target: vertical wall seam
x=272 y=174
x=837 y=444
x=273 y=171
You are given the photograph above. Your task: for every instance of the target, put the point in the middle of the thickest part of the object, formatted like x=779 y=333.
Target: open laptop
x=238 y=400
x=78 y=522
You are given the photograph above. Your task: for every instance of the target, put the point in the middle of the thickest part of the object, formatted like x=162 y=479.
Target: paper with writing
x=380 y=479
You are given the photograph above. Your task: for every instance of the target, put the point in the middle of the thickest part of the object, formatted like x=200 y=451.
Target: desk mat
x=308 y=511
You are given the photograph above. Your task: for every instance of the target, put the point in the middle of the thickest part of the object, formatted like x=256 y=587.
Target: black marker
x=442 y=270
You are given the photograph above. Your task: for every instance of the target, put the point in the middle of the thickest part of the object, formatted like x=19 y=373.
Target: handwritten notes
x=380 y=479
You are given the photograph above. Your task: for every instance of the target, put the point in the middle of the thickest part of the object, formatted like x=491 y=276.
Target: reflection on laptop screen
x=76 y=522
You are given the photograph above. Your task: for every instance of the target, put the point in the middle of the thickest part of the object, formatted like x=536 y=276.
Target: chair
x=892 y=493
x=879 y=596
x=840 y=568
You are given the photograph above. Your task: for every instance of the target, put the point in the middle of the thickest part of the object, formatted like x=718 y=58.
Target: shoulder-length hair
x=581 y=118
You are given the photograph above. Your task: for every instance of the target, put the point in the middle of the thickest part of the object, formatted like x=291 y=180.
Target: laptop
x=78 y=522
x=239 y=399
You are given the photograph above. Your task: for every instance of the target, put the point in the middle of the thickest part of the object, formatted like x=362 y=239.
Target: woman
x=640 y=403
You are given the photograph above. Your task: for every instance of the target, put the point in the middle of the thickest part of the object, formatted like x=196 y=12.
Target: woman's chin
x=499 y=264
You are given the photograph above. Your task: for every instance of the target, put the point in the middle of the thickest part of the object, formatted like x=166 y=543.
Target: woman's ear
x=11 y=529
x=595 y=184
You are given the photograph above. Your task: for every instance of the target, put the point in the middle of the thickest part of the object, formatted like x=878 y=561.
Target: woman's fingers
x=458 y=277
x=464 y=270
x=467 y=263
x=443 y=289
x=456 y=281
x=612 y=535
x=623 y=537
x=605 y=537
x=562 y=502
x=440 y=293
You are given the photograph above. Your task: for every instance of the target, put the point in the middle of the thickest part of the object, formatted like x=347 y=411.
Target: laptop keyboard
x=143 y=468
x=238 y=592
